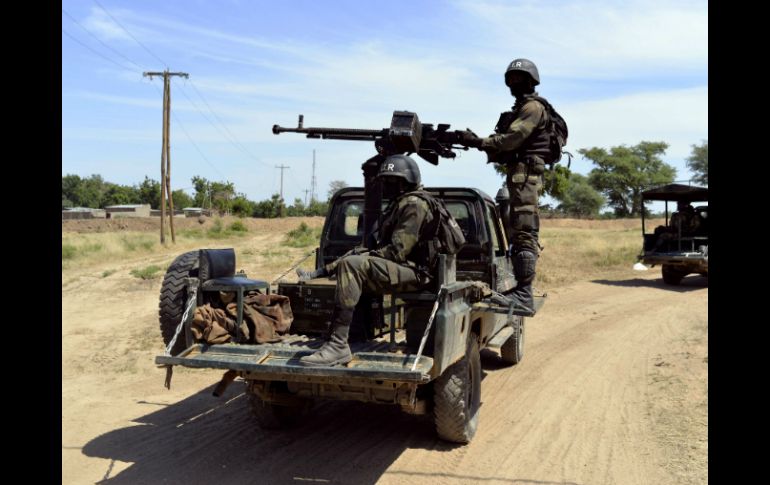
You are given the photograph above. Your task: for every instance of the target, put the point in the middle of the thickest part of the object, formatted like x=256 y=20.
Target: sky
x=619 y=72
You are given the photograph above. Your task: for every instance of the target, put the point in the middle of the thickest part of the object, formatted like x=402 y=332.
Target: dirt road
x=612 y=390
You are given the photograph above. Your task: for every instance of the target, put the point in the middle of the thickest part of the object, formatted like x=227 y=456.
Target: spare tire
x=173 y=297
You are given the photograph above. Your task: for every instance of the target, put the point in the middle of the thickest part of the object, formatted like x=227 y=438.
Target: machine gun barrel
x=332 y=133
x=405 y=135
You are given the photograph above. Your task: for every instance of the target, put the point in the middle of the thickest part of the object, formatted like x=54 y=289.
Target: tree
x=69 y=187
x=269 y=208
x=181 y=199
x=698 y=162
x=296 y=209
x=149 y=192
x=120 y=194
x=217 y=195
x=242 y=206
x=624 y=172
x=202 y=191
x=334 y=186
x=580 y=199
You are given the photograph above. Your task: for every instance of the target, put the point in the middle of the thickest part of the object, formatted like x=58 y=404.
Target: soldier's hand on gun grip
x=470 y=139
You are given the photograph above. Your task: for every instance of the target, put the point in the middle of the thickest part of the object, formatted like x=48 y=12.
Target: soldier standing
x=522 y=143
x=401 y=262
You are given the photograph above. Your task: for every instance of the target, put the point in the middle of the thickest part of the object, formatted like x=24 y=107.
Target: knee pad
x=524 y=266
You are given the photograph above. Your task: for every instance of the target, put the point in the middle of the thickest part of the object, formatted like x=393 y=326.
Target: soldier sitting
x=684 y=222
x=401 y=262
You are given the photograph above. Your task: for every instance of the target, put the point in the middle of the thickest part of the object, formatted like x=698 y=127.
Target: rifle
x=405 y=135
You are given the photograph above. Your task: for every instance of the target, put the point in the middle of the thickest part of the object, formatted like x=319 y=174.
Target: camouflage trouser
x=524 y=181
x=355 y=273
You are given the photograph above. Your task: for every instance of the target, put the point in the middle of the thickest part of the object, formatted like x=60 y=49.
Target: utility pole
x=280 y=207
x=165 y=154
x=312 y=181
x=306 y=191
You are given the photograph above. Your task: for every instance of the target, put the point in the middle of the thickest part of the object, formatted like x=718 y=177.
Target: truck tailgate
x=370 y=360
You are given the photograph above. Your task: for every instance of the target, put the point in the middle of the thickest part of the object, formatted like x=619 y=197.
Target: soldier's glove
x=309 y=275
x=470 y=139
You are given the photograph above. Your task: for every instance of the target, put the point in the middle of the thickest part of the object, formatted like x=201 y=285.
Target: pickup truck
x=417 y=350
x=680 y=253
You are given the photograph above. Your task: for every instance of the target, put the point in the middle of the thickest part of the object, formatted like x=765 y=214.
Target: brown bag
x=265 y=317
x=268 y=315
x=211 y=325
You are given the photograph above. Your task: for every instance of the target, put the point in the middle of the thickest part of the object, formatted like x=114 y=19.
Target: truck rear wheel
x=457 y=397
x=671 y=275
x=276 y=416
x=512 y=351
x=173 y=297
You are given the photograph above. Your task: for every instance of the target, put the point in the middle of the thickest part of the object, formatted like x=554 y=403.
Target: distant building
x=127 y=210
x=177 y=213
x=196 y=211
x=82 y=213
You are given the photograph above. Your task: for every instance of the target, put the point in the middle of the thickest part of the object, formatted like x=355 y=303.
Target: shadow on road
x=203 y=439
x=689 y=283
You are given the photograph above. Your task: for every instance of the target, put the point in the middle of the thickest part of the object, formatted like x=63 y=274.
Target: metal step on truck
x=418 y=350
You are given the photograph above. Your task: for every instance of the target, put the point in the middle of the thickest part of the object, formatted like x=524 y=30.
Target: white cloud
x=678 y=117
x=596 y=39
x=101 y=24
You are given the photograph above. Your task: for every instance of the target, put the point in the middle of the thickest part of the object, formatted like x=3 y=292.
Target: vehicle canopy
x=677 y=192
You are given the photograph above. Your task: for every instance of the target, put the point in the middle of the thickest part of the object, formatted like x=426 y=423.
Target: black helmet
x=400 y=166
x=524 y=65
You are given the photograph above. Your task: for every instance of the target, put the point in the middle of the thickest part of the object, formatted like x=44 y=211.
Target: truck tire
x=173 y=297
x=457 y=397
x=512 y=350
x=275 y=416
x=671 y=276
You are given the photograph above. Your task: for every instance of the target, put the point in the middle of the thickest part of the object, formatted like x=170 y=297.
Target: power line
x=95 y=51
x=232 y=141
x=173 y=114
x=98 y=39
x=223 y=124
x=130 y=34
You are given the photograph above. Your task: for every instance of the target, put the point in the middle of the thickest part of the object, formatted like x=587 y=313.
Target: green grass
x=71 y=251
x=237 y=226
x=303 y=236
x=147 y=273
x=108 y=272
x=218 y=231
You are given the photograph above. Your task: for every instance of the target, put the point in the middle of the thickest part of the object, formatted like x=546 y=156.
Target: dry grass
x=575 y=249
x=580 y=250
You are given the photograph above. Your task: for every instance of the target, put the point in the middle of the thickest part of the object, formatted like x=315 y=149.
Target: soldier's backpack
x=447 y=236
x=557 y=130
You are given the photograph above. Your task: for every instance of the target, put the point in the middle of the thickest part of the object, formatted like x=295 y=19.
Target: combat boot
x=335 y=350
x=524 y=269
x=522 y=297
x=305 y=275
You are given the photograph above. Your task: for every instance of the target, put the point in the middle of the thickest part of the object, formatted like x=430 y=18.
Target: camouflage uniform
x=524 y=171
x=396 y=265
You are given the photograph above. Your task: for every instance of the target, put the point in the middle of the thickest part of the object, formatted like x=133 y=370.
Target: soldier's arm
x=410 y=218
x=529 y=118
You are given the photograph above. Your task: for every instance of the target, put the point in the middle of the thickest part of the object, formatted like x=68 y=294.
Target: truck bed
x=371 y=360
